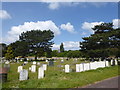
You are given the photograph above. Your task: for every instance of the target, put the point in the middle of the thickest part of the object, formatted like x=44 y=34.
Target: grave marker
x=23 y=75
x=67 y=68
x=40 y=73
x=20 y=68
x=33 y=68
x=77 y=67
x=45 y=66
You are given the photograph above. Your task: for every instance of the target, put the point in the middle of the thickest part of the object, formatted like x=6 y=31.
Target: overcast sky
x=70 y=21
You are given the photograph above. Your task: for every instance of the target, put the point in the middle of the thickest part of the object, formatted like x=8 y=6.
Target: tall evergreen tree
x=61 y=47
x=9 y=55
x=38 y=41
x=103 y=43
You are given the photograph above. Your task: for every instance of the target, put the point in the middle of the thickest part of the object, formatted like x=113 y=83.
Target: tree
x=9 y=55
x=103 y=43
x=3 y=48
x=38 y=41
x=20 y=48
x=61 y=47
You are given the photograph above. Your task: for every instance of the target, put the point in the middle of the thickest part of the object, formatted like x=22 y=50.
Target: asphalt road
x=107 y=83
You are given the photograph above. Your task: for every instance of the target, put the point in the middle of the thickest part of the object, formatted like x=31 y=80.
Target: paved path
x=107 y=83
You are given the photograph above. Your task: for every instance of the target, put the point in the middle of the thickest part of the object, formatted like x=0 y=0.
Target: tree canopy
x=104 y=42
x=35 y=42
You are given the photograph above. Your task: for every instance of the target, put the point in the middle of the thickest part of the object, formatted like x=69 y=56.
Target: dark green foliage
x=9 y=54
x=103 y=43
x=61 y=47
x=3 y=48
x=38 y=41
x=20 y=48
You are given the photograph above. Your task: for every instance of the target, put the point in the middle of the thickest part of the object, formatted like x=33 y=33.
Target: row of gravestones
x=24 y=73
x=90 y=66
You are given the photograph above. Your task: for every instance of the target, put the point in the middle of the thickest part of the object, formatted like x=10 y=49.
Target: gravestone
x=77 y=67
x=23 y=75
x=107 y=64
x=86 y=66
x=30 y=68
x=38 y=63
x=7 y=66
x=25 y=62
x=33 y=68
x=45 y=66
x=34 y=62
x=101 y=64
x=46 y=60
x=67 y=68
x=93 y=65
x=20 y=68
x=81 y=67
x=116 y=63
x=40 y=72
x=51 y=63
x=62 y=61
x=7 y=62
x=112 y=62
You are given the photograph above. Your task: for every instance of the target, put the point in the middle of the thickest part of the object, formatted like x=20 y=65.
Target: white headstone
x=46 y=60
x=62 y=61
x=38 y=63
x=116 y=63
x=40 y=72
x=20 y=68
x=101 y=64
x=81 y=68
x=30 y=68
x=25 y=62
x=93 y=65
x=7 y=62
x=77 y=67
x=23 y=75
x=107 y=64
x=33 y=68
x=67 y=68
x=45 y=66
x=111 y=62
x=34 y=62
x=86 y=66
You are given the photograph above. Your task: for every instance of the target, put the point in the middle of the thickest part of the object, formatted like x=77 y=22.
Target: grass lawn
x=55 y=77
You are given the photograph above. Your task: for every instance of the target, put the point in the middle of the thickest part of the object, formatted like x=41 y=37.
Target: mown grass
x=55 y=77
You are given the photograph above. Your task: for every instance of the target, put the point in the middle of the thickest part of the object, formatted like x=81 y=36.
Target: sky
x=70 y=21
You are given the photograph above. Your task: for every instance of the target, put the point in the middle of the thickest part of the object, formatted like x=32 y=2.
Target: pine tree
x=9 y=55
x=61 y=47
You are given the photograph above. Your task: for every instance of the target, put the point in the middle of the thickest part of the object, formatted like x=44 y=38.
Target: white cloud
x=4 y=14
x=88 y=26
x=15 y=31
x=54 y=5
x=69 y=27
x=69 y=45
x=116 y=23
x=60 y=0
